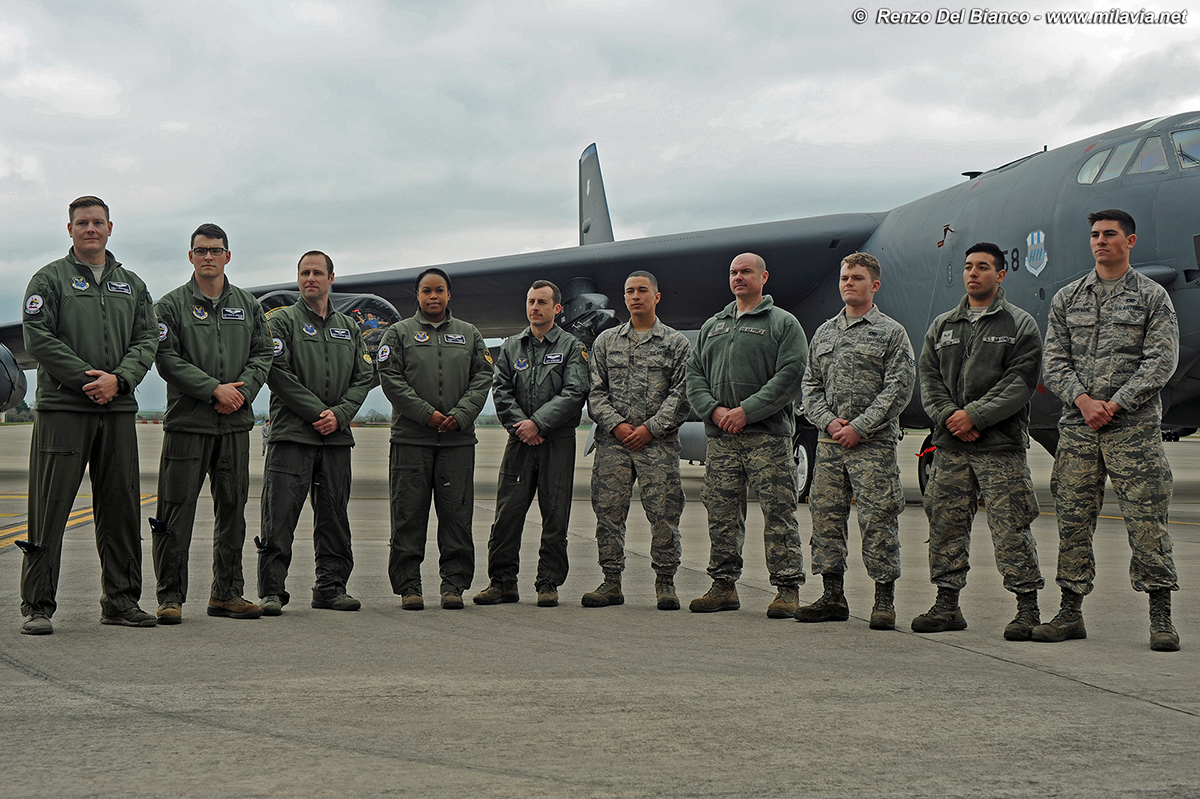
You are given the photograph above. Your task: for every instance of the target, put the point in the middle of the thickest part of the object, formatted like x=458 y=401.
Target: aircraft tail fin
x=595 y=226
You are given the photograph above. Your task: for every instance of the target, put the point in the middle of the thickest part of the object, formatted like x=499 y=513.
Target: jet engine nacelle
x=374 y=314
x=585 y=312
x=12 y=380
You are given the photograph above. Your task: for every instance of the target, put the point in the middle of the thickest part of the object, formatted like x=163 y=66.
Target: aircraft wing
x=692 y=270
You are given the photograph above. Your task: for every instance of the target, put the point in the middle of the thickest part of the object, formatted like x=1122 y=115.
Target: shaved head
x=753 y=260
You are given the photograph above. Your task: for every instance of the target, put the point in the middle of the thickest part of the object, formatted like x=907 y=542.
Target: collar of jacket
x=869 y=317
x=961 y=312
x=109 y=261
x=658 y=330
x=300 y=303
x=421 y=320
x=551 y=335
x=1092 y=279
x=764 y=306
x=200 y=296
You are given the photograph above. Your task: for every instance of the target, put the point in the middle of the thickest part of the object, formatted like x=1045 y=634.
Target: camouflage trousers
x=956 y=482
x=870 y=475
x=656 y=469
x=764 y=462
x=1133 y=457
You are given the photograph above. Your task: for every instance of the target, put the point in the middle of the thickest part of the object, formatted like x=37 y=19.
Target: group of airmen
x=1111 y=344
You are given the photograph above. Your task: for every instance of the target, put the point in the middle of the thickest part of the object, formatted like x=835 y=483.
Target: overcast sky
x=397 y=134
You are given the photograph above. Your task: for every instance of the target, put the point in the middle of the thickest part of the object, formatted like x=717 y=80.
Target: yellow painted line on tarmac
x=82 y=516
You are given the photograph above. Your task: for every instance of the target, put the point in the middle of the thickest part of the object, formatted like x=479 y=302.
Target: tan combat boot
x=608 y=593
x=785 y=603
x=722 y=596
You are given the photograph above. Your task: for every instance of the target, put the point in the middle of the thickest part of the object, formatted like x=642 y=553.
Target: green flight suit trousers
x=186 y=459
x=64 y=444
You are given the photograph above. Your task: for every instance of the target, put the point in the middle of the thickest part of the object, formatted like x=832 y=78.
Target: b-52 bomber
x=1035 y=208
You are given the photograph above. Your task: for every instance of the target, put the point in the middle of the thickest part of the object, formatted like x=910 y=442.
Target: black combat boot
x=1028 y=616
x=945 y=615
x=883 y=615
x=1067 y=624
x=832 y=605
x=1163 y=637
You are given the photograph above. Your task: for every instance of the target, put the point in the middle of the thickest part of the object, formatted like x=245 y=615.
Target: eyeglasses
x=203 y=251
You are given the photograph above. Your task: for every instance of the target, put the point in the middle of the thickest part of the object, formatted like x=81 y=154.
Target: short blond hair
x=862 y=259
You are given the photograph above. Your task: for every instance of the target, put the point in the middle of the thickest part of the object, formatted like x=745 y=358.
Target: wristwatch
x=122 y=385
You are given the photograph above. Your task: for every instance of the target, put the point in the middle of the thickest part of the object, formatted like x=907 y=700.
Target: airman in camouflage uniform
x=979 y=367
x=743 y=378
x=1111 y=345
x=637 y=404
x=859 y=378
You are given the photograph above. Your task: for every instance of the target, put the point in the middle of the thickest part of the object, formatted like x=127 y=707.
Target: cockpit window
x=1187 y=147
x=1116 y=164
x=1151 y=158
x=1150 y=124
x=1091 y=167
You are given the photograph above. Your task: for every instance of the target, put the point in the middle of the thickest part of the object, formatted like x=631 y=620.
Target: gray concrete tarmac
x=521 y=701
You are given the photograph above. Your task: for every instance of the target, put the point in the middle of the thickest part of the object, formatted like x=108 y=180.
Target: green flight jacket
x=319 y=364
x=203 y=343
x=543 y=381
x=426 y=367
x=73 y=323
x=756 y=361
x=989 y=368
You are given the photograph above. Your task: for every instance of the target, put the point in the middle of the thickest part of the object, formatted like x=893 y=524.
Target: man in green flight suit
x=319 y=379
x=214 y=352
x=89 y=323
x=540 y=386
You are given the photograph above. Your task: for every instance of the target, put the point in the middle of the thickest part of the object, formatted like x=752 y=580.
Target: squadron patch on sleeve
x=367 y=357
x=384 y=352
x=278 y=346
x=162 y=331
x=488 y=356
x=33 y=304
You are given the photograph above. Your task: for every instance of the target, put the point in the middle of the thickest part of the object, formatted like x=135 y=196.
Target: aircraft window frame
x=1192 y=149
x=1151 y=123
x=1117 y=162
x=1091 y=167
x=1160 y=164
